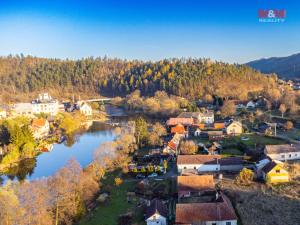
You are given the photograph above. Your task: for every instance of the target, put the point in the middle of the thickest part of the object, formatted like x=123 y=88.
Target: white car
x=152 y=175
x=244 y=138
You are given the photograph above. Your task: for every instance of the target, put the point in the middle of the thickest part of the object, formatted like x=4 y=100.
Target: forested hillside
x=23 y=77
x=286 y=67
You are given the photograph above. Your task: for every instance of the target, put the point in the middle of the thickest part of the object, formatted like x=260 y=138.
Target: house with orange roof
x=194 y=185
x=179 y=128
x=40 y=128
x=218 y=212
x=182 y=121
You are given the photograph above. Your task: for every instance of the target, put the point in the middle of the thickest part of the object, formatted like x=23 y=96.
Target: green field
x=108 y=213
x=254 y=139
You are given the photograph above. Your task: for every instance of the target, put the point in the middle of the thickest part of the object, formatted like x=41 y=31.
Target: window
x=214 y=224
x=194 y=167
x=228 y=223
x=184 y=167
x=290 y=155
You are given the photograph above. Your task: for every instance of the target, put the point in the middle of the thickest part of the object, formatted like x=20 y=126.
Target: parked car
x=152 y=175
x=140 y=176
x=244 y=138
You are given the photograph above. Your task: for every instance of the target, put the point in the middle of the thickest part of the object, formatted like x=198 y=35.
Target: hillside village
x=199 y=167
x=205 y=175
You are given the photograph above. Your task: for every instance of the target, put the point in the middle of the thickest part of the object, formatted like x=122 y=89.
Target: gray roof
x=156 y=206
x=285 y=148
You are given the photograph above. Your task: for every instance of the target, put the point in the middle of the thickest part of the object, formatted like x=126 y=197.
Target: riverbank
x=79 y=146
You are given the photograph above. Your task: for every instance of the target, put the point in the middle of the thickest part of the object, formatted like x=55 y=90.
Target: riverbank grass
x=117 y=204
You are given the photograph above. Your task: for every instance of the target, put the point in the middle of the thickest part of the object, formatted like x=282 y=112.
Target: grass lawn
x=231 y=152
x=200 y=140
x=294 y=133
x=254 y=139
x=108 y=213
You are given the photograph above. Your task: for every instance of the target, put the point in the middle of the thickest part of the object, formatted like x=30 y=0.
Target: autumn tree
x=11 y=211
x=282 y=109
x=228 y=109
x=118 y=181
x=141 y=130
x=288 y=125
x=154 y=137
x=35 y=200
x=245 y=177
x=188 y=147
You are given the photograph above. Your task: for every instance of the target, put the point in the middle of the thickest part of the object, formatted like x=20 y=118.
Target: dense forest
x=286 y=67
x=22 y=77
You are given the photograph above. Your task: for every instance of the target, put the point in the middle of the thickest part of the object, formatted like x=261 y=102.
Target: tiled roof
x=39 y=122
x=156 y=206
x=183 y=121
x=172 y=145
x=197 y=159
x=231 y=161
x=178 y=129
x=285 y=148
x=195 y=183
x=195 y=213
x=189 y=115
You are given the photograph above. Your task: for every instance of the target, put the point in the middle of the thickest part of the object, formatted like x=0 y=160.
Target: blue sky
x=226 y=30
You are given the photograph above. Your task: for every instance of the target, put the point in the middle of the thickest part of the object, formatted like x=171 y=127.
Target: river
x=80 y=147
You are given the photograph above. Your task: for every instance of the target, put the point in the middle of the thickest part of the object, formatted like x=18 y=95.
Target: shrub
x=245 y=177
x=118 y=181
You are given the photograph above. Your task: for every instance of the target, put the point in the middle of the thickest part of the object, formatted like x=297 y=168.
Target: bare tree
x=282 y=109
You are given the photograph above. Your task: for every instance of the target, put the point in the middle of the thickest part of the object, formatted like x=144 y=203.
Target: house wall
x=285 y=156
x=279 y=178
x=232 y=167
x=275 y=177
x=156 y=219
x=234 y=129
x=49 y=108
x=199 y=167
x=3 y=114
x=232 y=222
x=207 y=119
x=86 y=110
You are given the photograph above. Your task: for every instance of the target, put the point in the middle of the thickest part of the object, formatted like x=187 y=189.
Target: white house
x=86 y=109
x=207 y=117
x=283 y=152
x=234 y=128
x=3 y=114
x=217 y=212
x=250 y=105
x=22 y=109
x=40 y=128
x=200 y=163
x=45 y=104
x=197 y=132
x=156 y=213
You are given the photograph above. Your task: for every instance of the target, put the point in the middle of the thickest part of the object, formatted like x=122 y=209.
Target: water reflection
x=22 y=170
x=79 y=146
